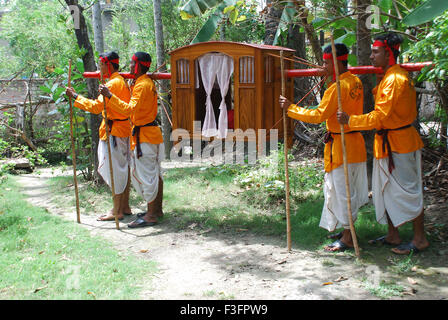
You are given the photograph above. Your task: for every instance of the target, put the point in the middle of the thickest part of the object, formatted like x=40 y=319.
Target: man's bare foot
x=109 y=217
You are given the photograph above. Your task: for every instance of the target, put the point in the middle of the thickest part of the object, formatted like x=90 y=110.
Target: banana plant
x=427 y=11
x=220 y=9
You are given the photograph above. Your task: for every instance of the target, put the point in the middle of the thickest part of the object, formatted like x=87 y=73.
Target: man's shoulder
x=396 y=76
x=116 y=82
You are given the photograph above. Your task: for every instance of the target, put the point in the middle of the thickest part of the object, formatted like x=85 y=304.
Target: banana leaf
x=427 y=11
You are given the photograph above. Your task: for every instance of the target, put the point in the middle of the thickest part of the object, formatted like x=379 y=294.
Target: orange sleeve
x=89 y=105
x=326 y=108
x=383 y=108
x=127 y=108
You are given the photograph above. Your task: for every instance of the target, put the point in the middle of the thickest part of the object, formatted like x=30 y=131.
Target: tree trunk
x=443 y=93
x=275 y=9
x=98 y=27
x=164 y=84
x=82 y=37
x=363 y=49
x=311 y=34
x=296 y=41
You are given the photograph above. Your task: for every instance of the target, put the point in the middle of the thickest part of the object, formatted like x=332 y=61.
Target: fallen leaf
x=341 y=278
x=410 y=292
x=38 y=289
x=282 y=261
x=41 y=251
x=327 y=283
x=143 y=251
x=92 y=294
x=412 y=281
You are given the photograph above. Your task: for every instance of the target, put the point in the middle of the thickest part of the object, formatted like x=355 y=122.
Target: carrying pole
x=285 y=149
x=111 y=170
x=75 y=180
x=344 y=152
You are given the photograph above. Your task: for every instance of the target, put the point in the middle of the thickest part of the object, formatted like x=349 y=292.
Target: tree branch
x=19 y=133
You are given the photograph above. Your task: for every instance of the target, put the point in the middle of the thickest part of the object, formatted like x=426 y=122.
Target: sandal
x=407 y=248
x=335 y=235
x=382 y=240
x=339 y=245
x=140 y=223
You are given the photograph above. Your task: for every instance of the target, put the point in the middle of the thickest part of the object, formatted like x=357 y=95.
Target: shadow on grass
x=210 y=203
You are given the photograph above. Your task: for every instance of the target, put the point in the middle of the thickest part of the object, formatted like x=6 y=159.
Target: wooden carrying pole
x=78 y=216
x=111 y=170
x=344 y=153
x=285 y=149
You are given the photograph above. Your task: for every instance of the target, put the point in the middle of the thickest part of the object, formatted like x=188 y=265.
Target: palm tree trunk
x=164 y=84
x=363 y=37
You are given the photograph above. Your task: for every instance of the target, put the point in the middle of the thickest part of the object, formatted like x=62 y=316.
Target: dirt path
x=197 y=264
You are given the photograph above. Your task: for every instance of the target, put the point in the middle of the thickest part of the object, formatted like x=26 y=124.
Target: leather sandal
x=335 y=235
x=140 y=223
x=407 y=248
x=339 y=245
x=382 y=240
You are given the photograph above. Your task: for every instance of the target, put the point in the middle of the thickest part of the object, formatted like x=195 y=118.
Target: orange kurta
x=395 y=107
x=352 y=103
x=118 y=87
x=142 y=109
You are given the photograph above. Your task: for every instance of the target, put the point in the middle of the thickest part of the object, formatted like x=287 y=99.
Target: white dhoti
x=120 y=162
x=334 y=212
x=401 y=192
x=146 y=170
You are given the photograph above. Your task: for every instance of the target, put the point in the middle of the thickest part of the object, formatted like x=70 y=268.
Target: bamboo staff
x=285 y=149
x=344 y=153
x=78 y=216
x=111 y=170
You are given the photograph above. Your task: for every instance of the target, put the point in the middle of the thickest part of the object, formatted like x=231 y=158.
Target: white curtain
x=208 y=64
x=215 y=66
x=224 y=74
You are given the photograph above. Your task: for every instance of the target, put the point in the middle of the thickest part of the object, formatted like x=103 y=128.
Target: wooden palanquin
x=253 y=93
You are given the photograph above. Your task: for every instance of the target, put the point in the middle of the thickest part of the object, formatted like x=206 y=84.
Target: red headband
x=145 y=63
x=108 y=62
x=343 y=57
x=379 y=43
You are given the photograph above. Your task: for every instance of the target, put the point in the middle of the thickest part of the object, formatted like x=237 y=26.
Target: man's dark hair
x=112 y=55
x=341 y=49
x=392 y=40
x=144 y=57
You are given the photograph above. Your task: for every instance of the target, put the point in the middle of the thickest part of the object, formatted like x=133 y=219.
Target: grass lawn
x=233 y=198
x=45 y=257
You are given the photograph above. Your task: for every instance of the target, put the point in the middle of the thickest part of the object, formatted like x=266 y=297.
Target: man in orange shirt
x=119 y=130
x=147 y=141
x=396 y=176
x=335 y=212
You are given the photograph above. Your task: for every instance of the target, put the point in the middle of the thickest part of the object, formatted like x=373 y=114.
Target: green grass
x=45 y=257
x=233 y=197
x=385 y=290
x=93 y=199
